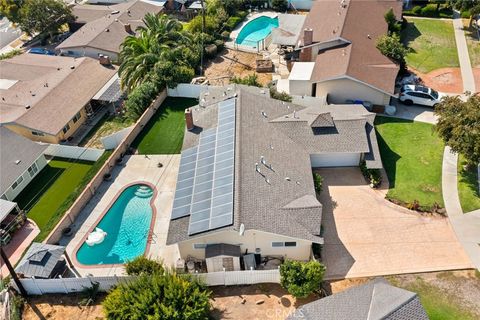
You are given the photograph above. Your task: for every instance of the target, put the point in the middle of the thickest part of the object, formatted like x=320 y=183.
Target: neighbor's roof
x=107 y=31
x=17 y=155
x=358 y=24
x=374 y=300
x=222 y=249
x=40 y=260
x=6 y=207
x=289 y=29
x=286 y=204
x=49 y=90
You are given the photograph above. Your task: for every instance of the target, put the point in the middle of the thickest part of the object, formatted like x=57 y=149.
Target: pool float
x=96 y=237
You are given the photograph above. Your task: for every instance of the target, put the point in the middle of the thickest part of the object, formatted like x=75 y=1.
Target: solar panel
x=183 y=193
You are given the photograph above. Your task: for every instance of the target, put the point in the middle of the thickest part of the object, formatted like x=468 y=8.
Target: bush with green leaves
x=143 y=265
x=166 y=296
x=139 y=99
x=232 y=22
x=373 y=176
x=317 y=182
x=301 y=278
x=417 y=10
x=280 y=5
x=393 y=25
x=391 y=47
x=250 y=80
x=430 y=10
x=282 y=96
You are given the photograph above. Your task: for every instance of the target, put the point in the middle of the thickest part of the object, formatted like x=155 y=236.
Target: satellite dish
x=242 y=229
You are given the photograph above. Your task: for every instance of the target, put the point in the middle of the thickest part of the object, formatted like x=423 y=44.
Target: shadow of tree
x=410 y=33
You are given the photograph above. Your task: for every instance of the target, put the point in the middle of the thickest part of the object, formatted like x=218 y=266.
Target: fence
x=187 y=90
x=71 y=285
x=72 y=152
x=89 y=191
x=112 y=141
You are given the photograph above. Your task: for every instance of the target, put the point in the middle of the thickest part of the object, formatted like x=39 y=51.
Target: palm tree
x=160 y=40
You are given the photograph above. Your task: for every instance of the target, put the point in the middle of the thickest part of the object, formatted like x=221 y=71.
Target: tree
x=280 y=5
x=139 y=99
x=142 y=265
x=459 y=126
x=160 y=42
x=44 y=16
x=301 y=278
x=391 y=47
x=157 y=296
x=11 y=9
x=474 y=11
x=391 y=20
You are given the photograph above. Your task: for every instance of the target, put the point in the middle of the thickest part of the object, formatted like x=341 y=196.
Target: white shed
x=222 y=256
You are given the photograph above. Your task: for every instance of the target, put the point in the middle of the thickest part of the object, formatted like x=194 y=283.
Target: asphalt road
x=7 y=33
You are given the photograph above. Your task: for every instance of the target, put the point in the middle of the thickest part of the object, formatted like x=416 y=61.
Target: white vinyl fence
x=72 y=152
x=70 y=285
x=112 y=141
x=187 y=90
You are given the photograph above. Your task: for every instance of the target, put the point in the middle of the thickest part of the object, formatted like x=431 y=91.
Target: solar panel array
x=205 y=180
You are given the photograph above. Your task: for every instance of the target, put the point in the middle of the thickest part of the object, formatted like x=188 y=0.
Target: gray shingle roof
x=15 y=147
x=374 y=300
x=41 y=260
x=286 y=204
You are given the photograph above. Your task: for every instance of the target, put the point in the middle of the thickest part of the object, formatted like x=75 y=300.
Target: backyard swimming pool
x=256 y=30
x=126 y=223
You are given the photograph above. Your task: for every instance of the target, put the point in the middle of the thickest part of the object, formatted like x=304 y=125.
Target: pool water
x=127 y=223
x=256 y=30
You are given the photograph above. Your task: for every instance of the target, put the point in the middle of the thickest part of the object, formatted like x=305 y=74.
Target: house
x=245 y=176
x=21 y=160
x=47 y=98
x=42 y=261
x=100 y=30
x=337 y=54
x=375 y=300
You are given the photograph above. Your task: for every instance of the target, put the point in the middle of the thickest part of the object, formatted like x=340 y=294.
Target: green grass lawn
x=412 y=156
x=467 y=187
x=432 y=44
x=54 y=190
x=163 y=134
x=473 y=43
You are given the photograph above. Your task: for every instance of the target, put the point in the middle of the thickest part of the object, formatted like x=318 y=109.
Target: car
x=416 y=94
x=41 y=51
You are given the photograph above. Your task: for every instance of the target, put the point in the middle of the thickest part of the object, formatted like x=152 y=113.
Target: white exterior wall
x=88 y=52
x=341 y=90
x=300 y=87
x=335 y=160
x=10 y=194
x=251 y=240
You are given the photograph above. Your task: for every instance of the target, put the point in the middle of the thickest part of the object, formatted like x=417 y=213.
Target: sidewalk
x=463 y=57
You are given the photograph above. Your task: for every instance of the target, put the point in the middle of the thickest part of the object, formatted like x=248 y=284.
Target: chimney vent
x=189 y=119
x=128 y=28
x=104 y=60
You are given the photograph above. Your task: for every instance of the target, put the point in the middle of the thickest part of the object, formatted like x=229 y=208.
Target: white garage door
x=335 y=160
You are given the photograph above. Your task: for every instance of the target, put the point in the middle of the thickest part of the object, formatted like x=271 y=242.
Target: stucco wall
x=251 y=240
x=88 y=52
x=300 y=87
x=341 y=90
x=10 y=194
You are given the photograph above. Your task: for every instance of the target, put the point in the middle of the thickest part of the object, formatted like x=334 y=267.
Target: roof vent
x=72 y=67
x=288 y=179
x=369 y=36
x=58 y=69
x=27 y=106
x=264 y=114
x=107 y=30
x=18 y=161
x=115 y=12
x=267 y=180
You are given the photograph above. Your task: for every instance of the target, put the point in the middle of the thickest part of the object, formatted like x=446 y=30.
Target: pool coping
x=97 y=221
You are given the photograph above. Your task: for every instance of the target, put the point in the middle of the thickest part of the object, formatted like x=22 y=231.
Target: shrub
x=195 y=25
x=417 y=10
x=317 y=182
x=10 y=54
x=283 y=96
x=430 y=10
x=225 y=35
x=211 y=51
x=250 y=80
x=142 y=265
x=139 y=99
x=157 y=296
x=89 y=294
x=465 y=14
x=232 y=22
x=301 y=278
x=242 y=14
x=220 y=45
x=280 y=5
x=393 y=48
x=373 y=176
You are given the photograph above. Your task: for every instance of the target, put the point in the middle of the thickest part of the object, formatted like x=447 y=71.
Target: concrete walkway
x=463 y=57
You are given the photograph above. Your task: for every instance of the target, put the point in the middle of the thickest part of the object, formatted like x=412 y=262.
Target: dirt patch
x=444 y=80
x=55 y=306
x=476 y=75
x=234 y=63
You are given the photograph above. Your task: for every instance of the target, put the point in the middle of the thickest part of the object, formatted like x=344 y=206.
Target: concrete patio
x=135 y=169
x=366 y=235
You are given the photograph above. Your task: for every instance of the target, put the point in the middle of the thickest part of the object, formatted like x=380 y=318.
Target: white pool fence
x=73 y=152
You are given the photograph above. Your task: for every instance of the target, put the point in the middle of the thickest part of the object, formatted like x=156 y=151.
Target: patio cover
x=5 y=208
x=111 y=91
x=41 y=260
x=289 y=29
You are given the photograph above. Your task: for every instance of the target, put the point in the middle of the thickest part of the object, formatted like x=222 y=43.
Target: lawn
x=106 y=126
x=467 y=187
x=473 y=43
x=412 y=156
x=54 y=190
x=163 y=134
x=431 y=43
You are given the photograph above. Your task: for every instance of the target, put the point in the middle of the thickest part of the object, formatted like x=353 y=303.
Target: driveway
x=415 y=112
x=366 y=235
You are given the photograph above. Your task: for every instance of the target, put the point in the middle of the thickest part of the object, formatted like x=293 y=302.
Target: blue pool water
x=256 y=30
x=127 y=224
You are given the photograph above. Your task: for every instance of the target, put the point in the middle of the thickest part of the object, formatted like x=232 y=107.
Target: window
x=36 y=133
x=17 y=182
x=76 y=117
x=199 y=245
x=279 y=244
x=66 y=128
x=33 y=170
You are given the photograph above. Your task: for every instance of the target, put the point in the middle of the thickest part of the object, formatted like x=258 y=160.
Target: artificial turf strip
x=163 y=134
x=49 y=195
x=431 y=44
x=468 y=186
x=412 y=156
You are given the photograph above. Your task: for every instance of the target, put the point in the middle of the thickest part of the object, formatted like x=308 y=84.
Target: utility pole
x=12 y=273
x=203 y=31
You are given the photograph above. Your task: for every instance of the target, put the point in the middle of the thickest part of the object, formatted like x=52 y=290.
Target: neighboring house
x=21 y=160
x=375 y=300
x=339 y=38
x=42 y=261
x=47 y=98
x=100 y=30
x=245 y=175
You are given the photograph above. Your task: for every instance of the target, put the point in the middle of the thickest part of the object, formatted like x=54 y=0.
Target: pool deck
x=234 y=34
x=137 y=168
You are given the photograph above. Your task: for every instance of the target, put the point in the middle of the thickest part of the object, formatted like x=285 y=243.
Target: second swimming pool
x=127 y=226
x=256 y=30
